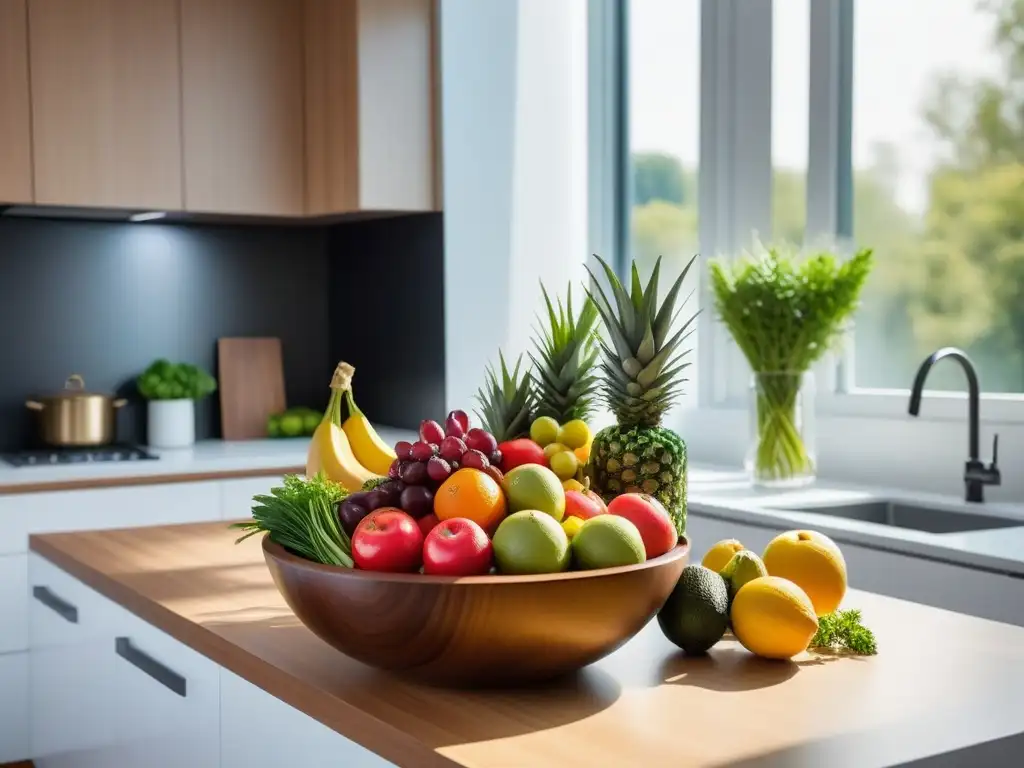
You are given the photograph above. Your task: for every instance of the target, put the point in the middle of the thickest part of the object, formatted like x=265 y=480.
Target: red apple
x=522 y=451
x=457 y=547
x=579 y=504
x=387 y=539
x=650 y=518
x=427 y=523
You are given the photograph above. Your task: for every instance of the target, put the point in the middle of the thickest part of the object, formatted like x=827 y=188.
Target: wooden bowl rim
x=278 y=552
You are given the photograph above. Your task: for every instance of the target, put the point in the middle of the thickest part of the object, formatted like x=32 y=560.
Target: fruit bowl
x=478 y=630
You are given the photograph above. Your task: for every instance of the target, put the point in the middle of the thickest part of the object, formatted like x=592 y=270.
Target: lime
x=552 y=448
x=574 y=434
x=607 y=541
x=564 y=464
x=544 y=430
x=531 y=486
x=745 y=566
x=530 y=541
x=291 y=425
x=310 y=421
x=274 y=425
x=571 y=526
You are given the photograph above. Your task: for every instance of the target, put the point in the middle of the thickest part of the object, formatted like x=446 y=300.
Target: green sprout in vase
x=784 y=312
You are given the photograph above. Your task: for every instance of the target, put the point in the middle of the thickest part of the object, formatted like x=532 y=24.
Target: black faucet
x=976 y=474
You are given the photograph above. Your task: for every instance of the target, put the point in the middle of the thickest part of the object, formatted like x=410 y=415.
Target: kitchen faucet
x=976 y=474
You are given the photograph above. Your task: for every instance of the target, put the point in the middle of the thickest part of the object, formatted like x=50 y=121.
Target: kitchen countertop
x=207 y=460
x=941 y=683
x=729 y=495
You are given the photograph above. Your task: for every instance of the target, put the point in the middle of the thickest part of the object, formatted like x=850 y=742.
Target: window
x=790 y=86
x=938 y=188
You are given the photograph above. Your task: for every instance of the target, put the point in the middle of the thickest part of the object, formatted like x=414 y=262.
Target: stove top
x=49 y=457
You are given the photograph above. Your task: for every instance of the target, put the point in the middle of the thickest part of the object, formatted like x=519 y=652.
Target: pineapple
x=642 y=366
x=564 y=362
x=506 y=406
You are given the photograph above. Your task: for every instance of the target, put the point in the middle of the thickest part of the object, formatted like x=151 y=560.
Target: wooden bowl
x=477 y=630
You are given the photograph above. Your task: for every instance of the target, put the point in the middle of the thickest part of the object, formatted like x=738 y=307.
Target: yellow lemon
x=719 y=555
x=773 y=618
x=574 y=434
x=544 y=430
x=572 y=484
x=571 y=526
x=552 y=448
x=813 y=562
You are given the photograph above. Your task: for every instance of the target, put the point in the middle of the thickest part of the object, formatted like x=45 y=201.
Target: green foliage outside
x=954 y=275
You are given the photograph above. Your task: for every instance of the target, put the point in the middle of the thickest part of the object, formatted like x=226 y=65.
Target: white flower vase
x=171 y=423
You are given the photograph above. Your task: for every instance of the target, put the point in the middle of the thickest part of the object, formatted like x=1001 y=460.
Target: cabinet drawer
x=63 y=610
x=236 y=495
x=86 y=510
x=13 y=603
x=14 y=718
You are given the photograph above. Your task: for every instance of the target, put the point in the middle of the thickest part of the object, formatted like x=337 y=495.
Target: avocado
x=696 y=614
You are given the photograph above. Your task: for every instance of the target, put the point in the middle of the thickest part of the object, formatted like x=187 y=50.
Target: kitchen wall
x=103 y=299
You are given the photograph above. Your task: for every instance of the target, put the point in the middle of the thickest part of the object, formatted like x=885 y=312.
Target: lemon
x=552 y=448
x=719 y=555
x=813 y=562
x=564 y=464
x=544 y=430
x=571 y=526
x=772 y=617
x=572 y=484
x=574 y=434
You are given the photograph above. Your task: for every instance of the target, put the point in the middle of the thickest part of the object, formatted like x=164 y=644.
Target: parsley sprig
x=843 y=630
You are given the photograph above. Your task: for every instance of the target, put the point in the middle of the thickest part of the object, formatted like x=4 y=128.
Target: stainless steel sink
x=901 y=515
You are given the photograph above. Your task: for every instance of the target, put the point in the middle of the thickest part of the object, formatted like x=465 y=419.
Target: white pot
x=172 y=423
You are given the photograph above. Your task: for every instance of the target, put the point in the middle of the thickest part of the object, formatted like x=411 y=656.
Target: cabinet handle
x=66 y=610
x=166 y=676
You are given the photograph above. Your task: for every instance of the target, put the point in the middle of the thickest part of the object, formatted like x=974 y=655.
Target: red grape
x=403 y=450
x=475 y=460
x=431 y=431
x=452 y=448
x=418 y=501
x=481 y=440
x=422 y=451
x=414 y=473
x=495 y=457
x=496 y=473
x=395 y=470
x=349 y=515
x=438 y=469
x=453 y=428
x=462 y=418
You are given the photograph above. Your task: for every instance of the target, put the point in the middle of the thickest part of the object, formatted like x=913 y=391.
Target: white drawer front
x=13 y=603
x=63 y=610
x=21 y=515
x=14 y=717
x=236 y=495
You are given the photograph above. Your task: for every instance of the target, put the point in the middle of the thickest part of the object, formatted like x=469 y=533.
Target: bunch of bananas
x=349 y=452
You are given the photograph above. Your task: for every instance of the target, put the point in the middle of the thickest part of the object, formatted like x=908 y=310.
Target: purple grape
x=438 y=469
x=350 y=513
x=422 y=451
x=452 y=448
x=495 y=458
x=359 y=497
x=375 y=499
x=403 y=450
x=415 y=473
x=418 y=501
x=475 y=460
x=391 y=492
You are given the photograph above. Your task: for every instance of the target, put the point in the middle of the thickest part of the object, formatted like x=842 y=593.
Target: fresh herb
x=784 y=313
x=164 y=380
x=843 y=630
x=301 y=515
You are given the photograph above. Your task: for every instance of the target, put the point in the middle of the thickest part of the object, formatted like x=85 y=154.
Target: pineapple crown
x=564 y=363
x=506 y=403
x=642 y=363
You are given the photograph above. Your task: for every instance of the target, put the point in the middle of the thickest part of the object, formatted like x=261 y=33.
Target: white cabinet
x=166 y=711
x=14 y=716
x=236 y=495
x=285 y=736
x=13 y=603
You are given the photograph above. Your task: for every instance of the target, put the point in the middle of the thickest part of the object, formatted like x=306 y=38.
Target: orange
x=471 y=494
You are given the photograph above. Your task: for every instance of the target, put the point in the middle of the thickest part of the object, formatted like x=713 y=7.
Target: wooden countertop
x=942 y=681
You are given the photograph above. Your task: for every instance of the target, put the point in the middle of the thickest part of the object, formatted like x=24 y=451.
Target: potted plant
x=172 y=389
x=785 y=312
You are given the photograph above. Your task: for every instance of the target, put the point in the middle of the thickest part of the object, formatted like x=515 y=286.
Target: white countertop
x=729 y=495
x=205 y=457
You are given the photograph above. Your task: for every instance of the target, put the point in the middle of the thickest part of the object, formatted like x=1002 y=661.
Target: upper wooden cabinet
x=243 y=106
x=106 y=108
x=370 y=142
x=15 y=109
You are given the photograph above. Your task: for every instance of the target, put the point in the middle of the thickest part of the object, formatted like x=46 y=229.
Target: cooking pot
x=75 y=417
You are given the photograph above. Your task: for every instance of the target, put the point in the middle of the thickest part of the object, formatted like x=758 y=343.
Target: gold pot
x=75 y=417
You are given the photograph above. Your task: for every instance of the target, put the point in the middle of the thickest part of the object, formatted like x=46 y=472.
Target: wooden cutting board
x=251 y=383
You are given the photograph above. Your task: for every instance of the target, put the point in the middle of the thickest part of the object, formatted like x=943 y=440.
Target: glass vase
x=782 y=450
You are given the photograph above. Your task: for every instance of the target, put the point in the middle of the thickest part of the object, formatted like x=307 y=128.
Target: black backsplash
x=387 y=314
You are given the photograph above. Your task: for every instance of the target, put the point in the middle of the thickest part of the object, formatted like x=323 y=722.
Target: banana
x=330 y=451
x=372 y=452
